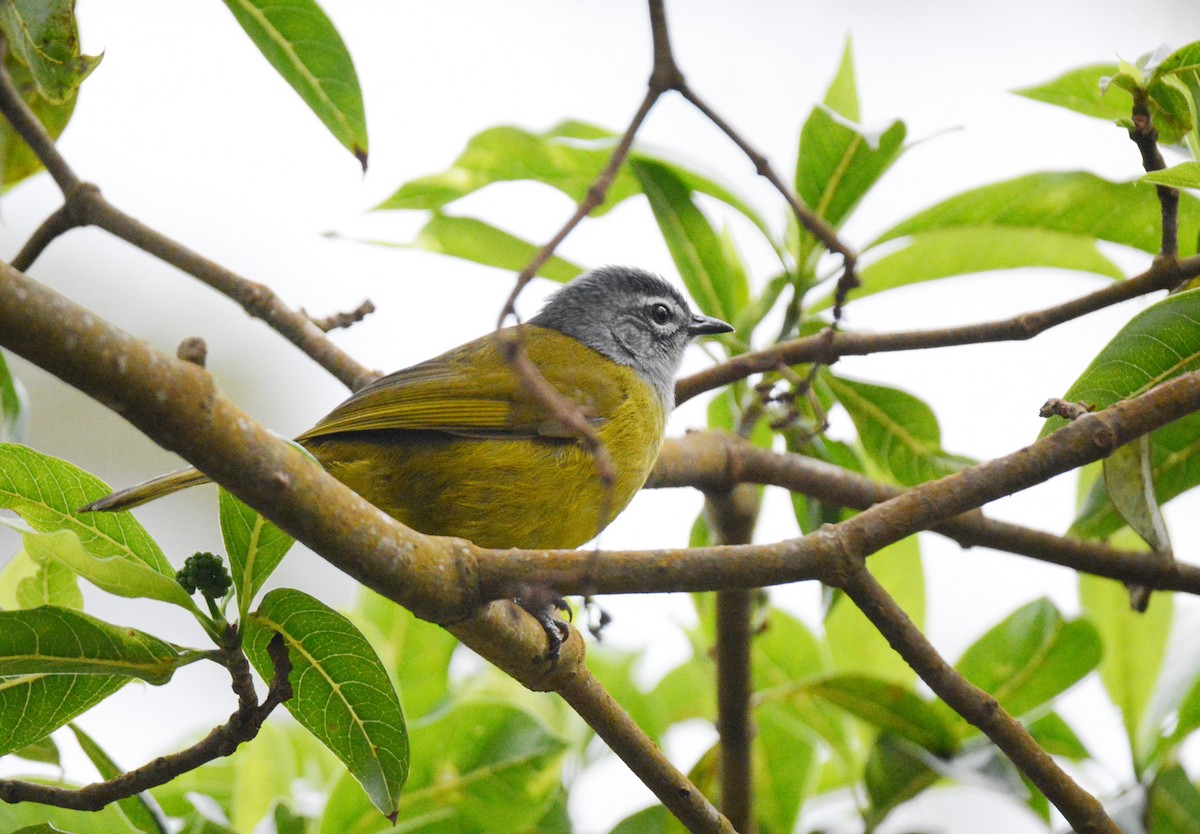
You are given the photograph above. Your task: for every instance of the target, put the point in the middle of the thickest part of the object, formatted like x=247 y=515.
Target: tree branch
x=1082 y=810
x=84 y=205
x=826 y=348
x=242 y=726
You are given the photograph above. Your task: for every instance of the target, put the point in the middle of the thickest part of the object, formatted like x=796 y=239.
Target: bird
x=460 y=445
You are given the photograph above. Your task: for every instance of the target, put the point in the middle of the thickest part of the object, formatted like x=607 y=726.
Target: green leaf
x=32 y=706
x=895 y=773
x=61 y=641
x=342 y=693
x=899 y=432
x=111 y=550
x=1074 y=203
x=43 y=750
x=140 y=811
x=1159 y=343
x=567 y=157
x=35 y=819
x=945 y=253
x=1134 y=648
x=694 y=245
x=615 y=670
x=652 y=820
x=121 y=576
x=301 y=43
x=254 y=545
x=17 y=159
x=416 y=651
x=43 y=36
x=482 y=243
x=1183 y=175
x=14 y=403
x=838 y=160
x=855 y=644
x=1083 y=91
x=1174 y=468
x=1180 y=69
x=52 y=583
x=493 y=768
x=1055 y=736
x=1129 y=477
x=893 y=708
x=1174 y=804
x=1031 y=656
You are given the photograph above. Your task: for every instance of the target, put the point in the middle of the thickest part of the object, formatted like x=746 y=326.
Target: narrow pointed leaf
x=140 y=811
x=1072 y=202
x=50 y=640
x=899 y=432
x=301 y=43
x=255 y=547
x=691 y=239
x=1031 y=656
x=1129 y=477
x=890 y=707
x=1081 y=90
x=839 y=160
x=482 y=243
x=342 y=693
x=43 y=750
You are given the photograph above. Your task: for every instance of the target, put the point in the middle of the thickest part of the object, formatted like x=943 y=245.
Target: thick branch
x=242 y=726
x=827 y=348
x=711 y=460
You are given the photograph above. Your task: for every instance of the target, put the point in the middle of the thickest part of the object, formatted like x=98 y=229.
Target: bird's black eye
x=660 y=313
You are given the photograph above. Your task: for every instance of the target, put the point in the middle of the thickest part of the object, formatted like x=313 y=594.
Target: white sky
x=184 y=126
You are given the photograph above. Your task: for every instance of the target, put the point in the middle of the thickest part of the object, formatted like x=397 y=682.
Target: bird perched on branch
x=466 y=444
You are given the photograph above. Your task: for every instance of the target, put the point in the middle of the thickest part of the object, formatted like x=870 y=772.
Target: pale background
x=184 y=126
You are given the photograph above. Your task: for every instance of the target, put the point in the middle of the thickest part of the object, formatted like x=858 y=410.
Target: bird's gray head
x=631 y=316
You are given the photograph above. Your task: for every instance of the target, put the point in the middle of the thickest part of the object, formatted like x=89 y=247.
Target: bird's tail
x=135 y=496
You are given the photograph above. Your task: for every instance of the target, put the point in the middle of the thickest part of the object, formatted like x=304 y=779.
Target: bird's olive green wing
x=472 y=390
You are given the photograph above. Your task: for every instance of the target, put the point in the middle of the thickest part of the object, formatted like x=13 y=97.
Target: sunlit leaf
x=1074 y=203
x=1081 y=90
x=255 y=547
x=482 y=243
x=898 y=431
x=301 y=43
x=1031 y=656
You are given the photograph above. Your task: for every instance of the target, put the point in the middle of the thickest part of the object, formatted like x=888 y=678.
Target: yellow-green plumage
x=457 y=446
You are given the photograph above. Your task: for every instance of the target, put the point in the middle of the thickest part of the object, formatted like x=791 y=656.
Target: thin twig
x=242 y=726
x=339 y=321
x=1145 y=136
x=1163 y=274
x=57 y=224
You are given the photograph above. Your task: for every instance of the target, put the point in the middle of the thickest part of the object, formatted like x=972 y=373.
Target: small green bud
x=206 y=573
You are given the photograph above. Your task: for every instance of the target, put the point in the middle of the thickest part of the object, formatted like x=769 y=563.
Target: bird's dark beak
x=707 y=326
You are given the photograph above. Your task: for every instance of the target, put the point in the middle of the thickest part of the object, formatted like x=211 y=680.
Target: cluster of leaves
x=57 y=661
